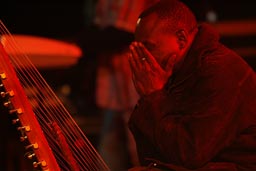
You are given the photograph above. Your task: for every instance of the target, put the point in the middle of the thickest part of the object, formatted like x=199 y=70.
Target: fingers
x=138 y=59
x=134 y=56
x=144 y=51
x=170 y=64
x=132 y=63
x=141 y=55
x=139 y=66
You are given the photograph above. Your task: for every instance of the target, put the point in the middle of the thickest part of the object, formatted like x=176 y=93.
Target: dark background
x=64 y=19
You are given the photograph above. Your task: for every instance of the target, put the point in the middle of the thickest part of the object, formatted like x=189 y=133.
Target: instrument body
x=17 y=103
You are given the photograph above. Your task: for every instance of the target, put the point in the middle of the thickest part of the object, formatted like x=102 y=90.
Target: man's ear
x=182 y=38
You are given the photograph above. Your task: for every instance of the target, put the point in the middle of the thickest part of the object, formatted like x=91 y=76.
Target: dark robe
x=205 y=116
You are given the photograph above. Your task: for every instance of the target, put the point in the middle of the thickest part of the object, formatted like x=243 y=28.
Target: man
x=197 y=98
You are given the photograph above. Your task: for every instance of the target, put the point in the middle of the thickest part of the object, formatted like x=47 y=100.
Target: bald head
x=173 y=14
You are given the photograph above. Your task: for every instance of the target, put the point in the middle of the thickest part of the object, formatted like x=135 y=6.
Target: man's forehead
x=152 y=17
x=147 y=25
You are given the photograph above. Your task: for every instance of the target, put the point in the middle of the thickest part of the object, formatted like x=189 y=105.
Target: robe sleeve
x=206 y=121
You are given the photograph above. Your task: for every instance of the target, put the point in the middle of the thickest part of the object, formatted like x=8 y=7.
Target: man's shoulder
x=223 y=55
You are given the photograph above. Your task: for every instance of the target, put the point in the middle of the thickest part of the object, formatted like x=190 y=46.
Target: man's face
x=162 y=44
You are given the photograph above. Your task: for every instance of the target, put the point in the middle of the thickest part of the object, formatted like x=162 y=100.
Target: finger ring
x=143 y=59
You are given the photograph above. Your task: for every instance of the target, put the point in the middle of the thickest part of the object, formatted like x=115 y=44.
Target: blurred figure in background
x=115 y=93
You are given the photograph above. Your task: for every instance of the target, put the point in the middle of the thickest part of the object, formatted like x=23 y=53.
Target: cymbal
x=43 y=52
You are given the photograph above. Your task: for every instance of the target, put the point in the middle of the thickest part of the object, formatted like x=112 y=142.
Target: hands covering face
x=148 y=75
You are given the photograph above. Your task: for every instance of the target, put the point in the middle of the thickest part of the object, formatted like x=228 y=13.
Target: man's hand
x=148 y=75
